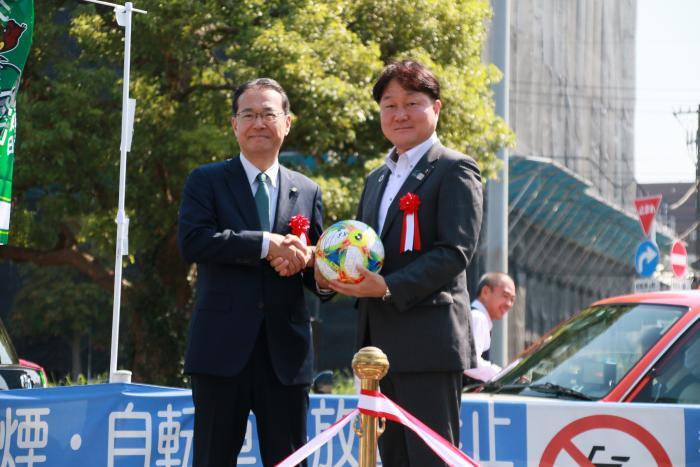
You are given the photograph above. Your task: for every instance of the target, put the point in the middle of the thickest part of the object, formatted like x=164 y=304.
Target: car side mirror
x=19 y=378
x=323 y=383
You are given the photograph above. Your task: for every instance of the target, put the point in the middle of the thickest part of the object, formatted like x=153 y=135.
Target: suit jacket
x=237 y=292
x=425 y=326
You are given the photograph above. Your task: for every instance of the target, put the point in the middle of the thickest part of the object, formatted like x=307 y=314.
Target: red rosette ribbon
x=300 y=227
x=410 y=232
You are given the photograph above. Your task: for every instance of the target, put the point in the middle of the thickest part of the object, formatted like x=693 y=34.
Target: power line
x=569 y=93
x=591 y=107
x=695 y=265
x=693 y=189
x=633 y=88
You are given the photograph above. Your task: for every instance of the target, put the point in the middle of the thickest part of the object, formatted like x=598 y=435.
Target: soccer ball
x=346 y=245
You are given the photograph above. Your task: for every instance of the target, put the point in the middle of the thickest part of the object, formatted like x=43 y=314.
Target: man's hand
x=288 y=254
x=312 y=257
x=372 y=285
x=320 y=280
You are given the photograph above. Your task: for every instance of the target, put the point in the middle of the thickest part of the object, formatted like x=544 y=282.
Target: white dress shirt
x=272 y=185
x=399 y=172
x=481 y=330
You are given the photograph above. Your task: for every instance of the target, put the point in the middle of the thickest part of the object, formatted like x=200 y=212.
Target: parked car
x=13 y=373
x=632 y=348
x=35 y=366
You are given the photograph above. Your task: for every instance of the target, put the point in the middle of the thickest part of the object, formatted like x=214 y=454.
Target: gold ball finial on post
x=370 y=365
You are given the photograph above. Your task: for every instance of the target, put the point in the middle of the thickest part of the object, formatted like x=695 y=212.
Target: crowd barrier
x=140 y=425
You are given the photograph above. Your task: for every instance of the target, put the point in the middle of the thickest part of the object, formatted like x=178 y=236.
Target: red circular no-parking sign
x=679 y=258
x=563 y=441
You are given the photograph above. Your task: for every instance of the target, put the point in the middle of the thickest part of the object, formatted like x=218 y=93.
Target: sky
x=668 y=81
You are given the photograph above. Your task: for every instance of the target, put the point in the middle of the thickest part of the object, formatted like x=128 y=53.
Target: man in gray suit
x=426 y=201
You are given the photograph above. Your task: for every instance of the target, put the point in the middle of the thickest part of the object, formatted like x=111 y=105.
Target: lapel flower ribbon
x=300 y=227
x=410 y=232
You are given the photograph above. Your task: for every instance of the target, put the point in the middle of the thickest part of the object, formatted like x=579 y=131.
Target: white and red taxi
x=632 y=348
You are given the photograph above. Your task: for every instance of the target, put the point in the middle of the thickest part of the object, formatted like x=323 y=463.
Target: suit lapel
x=420 y=174
x=286 y=200
x=242 y=195
x=373 y=196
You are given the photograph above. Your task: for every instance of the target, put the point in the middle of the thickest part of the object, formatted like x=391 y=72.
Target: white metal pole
x=122 y=220
x=123 y=14
x=114 y=5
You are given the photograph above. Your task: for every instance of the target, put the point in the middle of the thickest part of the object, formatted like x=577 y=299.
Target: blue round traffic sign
x=646 y=259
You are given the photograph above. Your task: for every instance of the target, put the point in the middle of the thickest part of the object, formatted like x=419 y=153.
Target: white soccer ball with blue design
x=346 y=245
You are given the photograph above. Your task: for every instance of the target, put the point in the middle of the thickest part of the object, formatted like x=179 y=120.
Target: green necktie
x=262 y=202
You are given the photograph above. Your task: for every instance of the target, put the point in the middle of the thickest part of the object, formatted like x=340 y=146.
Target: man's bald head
x=496 y=291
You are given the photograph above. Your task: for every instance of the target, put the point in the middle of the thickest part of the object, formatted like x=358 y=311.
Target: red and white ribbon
x=410 y=231
x=300 y=227
x=376 y=404
x=318 y=441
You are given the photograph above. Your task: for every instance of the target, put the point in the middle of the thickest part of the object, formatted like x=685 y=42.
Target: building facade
x=572 y=228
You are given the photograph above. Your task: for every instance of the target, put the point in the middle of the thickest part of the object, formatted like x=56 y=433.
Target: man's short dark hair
x=411 y=75
x=490 y=279
x=260 y=83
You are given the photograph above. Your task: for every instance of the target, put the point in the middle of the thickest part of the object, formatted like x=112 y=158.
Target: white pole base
x=120 y=376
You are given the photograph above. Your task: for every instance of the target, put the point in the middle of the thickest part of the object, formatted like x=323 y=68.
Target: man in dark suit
x=249 y=342
x=426 y=201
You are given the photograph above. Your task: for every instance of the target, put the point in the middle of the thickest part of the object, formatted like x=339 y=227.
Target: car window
x=675 y=379
x=7 y=351
x=591 y=353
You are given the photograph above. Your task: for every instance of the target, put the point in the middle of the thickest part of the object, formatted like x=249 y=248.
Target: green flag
x=17 y=22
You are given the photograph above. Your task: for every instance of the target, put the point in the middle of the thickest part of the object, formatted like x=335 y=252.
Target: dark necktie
x=262 y=202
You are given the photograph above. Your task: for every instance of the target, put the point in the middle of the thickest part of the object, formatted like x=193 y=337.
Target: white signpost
x=123 y=14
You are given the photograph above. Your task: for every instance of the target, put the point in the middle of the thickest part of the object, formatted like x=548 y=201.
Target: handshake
x=289 y=255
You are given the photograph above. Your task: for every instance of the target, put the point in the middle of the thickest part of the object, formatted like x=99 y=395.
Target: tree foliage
x=60 y=303
x=187 y=58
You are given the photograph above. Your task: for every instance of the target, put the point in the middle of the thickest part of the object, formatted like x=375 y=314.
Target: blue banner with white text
x=137 y=425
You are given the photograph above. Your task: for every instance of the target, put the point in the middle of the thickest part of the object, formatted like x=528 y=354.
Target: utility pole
x=697 y=191
x=696 y=264
x=497 y=188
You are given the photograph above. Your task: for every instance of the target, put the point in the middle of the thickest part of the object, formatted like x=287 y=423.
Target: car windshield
x=587 y=356
x=7 y=351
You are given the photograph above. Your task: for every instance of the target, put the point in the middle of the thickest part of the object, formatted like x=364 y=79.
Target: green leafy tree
x=59 y=302
x=187 y=58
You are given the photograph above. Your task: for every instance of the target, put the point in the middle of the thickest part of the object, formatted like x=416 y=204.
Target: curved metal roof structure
x=559 y=227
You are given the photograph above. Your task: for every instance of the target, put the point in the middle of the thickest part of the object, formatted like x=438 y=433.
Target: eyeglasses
x=267 y=117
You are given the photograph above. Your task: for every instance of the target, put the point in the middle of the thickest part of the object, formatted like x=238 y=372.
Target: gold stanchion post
x=370 y=365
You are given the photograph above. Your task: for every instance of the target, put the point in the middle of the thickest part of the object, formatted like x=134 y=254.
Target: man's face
x=408 y=117
x=259 y=136
x=499 y=299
